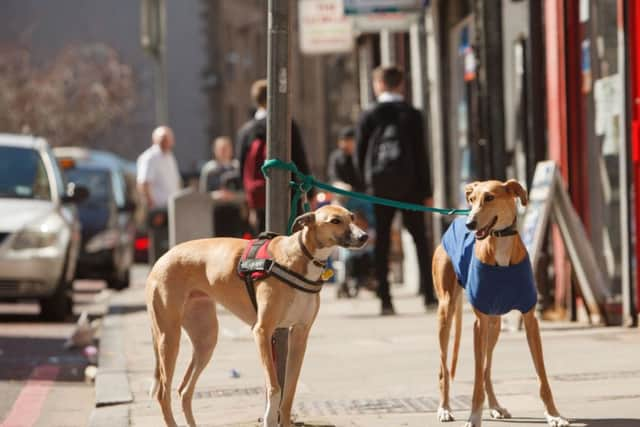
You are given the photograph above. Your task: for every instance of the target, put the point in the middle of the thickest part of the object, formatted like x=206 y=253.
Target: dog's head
x=493 y=205
x=332 y=226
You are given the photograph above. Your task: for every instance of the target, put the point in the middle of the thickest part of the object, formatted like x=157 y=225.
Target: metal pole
x=278 y=142
x=625 y=209
x=160 y=75
x=387 y=48
x=438 y=168
x=416 y=36
x=364 y=72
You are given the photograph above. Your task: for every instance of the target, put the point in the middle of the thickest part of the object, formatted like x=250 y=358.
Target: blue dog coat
x=491 y=289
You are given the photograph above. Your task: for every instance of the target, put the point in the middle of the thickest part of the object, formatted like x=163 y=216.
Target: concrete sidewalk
x=364 y=370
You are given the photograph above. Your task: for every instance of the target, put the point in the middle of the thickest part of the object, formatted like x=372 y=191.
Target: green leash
x=304 y=183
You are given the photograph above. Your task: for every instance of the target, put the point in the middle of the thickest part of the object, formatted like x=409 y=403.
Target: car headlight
x=43 y=233
x=107 y=239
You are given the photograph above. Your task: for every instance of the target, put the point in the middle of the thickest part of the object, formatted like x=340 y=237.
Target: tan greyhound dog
x=495 y=243
x=187 y=282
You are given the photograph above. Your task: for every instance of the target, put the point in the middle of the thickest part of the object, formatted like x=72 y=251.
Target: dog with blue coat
x=484 y=257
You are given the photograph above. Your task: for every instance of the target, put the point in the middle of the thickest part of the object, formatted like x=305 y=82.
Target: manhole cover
x=226 y=392
x=595 y=376
x=377 y=406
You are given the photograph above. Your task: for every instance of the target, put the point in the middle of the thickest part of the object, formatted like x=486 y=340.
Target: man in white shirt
x=158 y=176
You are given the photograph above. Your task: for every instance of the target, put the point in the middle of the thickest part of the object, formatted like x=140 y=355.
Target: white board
x=324 y=28
x=536 y=218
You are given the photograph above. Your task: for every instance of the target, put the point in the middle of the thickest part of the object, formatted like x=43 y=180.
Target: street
x=42 y=383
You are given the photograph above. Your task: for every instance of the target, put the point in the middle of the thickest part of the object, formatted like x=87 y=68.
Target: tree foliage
x=79 y=93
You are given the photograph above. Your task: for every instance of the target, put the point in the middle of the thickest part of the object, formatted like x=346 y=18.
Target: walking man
x=158 y=178
x=392 y=162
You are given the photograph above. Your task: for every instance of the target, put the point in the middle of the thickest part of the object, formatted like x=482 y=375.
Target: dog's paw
x=556 y=421
x=499 y=413
x=445 y=415
x=475 y=420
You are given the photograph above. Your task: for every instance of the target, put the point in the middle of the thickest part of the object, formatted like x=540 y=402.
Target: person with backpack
x=392 y=161
x=251 y=147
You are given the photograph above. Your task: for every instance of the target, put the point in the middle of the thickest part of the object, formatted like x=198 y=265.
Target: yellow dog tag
x=327 y=274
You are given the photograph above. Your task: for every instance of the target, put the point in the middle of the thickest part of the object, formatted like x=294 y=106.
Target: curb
x=112 y=383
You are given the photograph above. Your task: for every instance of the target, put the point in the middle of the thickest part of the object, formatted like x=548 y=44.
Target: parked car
x=39 y=227
x=108 y=228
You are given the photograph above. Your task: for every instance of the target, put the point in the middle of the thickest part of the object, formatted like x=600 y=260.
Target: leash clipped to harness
x=257 y=263
x=303 y=183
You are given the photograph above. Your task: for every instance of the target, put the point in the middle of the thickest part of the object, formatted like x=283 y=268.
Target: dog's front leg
x=297 y=345
x=554 y=419
x=262 y=333
x=480 y=341
x=497 y=411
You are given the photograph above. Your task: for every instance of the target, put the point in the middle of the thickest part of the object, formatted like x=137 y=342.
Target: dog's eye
x=335 y=221
x=488 y=198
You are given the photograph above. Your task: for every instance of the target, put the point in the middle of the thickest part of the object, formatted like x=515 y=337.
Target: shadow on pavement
x=376 y=315
x=127 y=309
x=19 y=356
x=576 y=422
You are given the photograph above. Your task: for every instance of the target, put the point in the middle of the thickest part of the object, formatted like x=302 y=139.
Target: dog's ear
x=468 y=189
x=304 y=220
x=514 y=188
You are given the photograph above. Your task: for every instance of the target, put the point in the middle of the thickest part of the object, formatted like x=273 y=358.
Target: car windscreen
x=22 y=174
x=97 y=181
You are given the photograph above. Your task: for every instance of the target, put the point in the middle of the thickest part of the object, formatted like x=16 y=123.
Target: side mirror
x=75 y=193
x=128 y=207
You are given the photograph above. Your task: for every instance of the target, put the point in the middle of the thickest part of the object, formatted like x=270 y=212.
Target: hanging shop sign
x=324 y=28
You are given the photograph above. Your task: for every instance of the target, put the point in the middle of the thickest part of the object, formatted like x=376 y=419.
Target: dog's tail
x=457 y=319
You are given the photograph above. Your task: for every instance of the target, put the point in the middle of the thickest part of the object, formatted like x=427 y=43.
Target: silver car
x=39 y=229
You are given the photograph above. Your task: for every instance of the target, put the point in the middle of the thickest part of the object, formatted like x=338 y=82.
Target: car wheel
x=119 y=281
x=59 y=305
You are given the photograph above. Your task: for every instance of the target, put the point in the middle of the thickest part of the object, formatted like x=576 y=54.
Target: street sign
x=324 y=28
x=360 y=7
x=376 y=22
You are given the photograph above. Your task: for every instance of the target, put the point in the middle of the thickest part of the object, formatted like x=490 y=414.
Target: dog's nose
x=471 y=225
x=363 y=238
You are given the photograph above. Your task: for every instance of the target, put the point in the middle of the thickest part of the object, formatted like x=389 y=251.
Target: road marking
x=27 y=407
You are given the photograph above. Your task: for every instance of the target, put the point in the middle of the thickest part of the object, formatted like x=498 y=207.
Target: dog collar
x=509 y=231
x=305 y=251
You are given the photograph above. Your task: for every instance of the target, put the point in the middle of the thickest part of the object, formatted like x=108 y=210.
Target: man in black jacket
x=257 y=128
x=392 y=162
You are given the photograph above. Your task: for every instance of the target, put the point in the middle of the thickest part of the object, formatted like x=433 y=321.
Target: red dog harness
x=257 y=263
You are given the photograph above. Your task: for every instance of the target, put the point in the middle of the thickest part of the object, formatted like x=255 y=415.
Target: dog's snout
x=363 y=238
x=471 y=224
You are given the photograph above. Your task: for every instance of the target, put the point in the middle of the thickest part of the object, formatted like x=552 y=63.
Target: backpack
x=255 y=185
x=389 y=166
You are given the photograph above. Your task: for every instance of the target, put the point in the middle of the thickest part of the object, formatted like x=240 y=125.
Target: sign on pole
x=324 y=28
x=360 y=7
